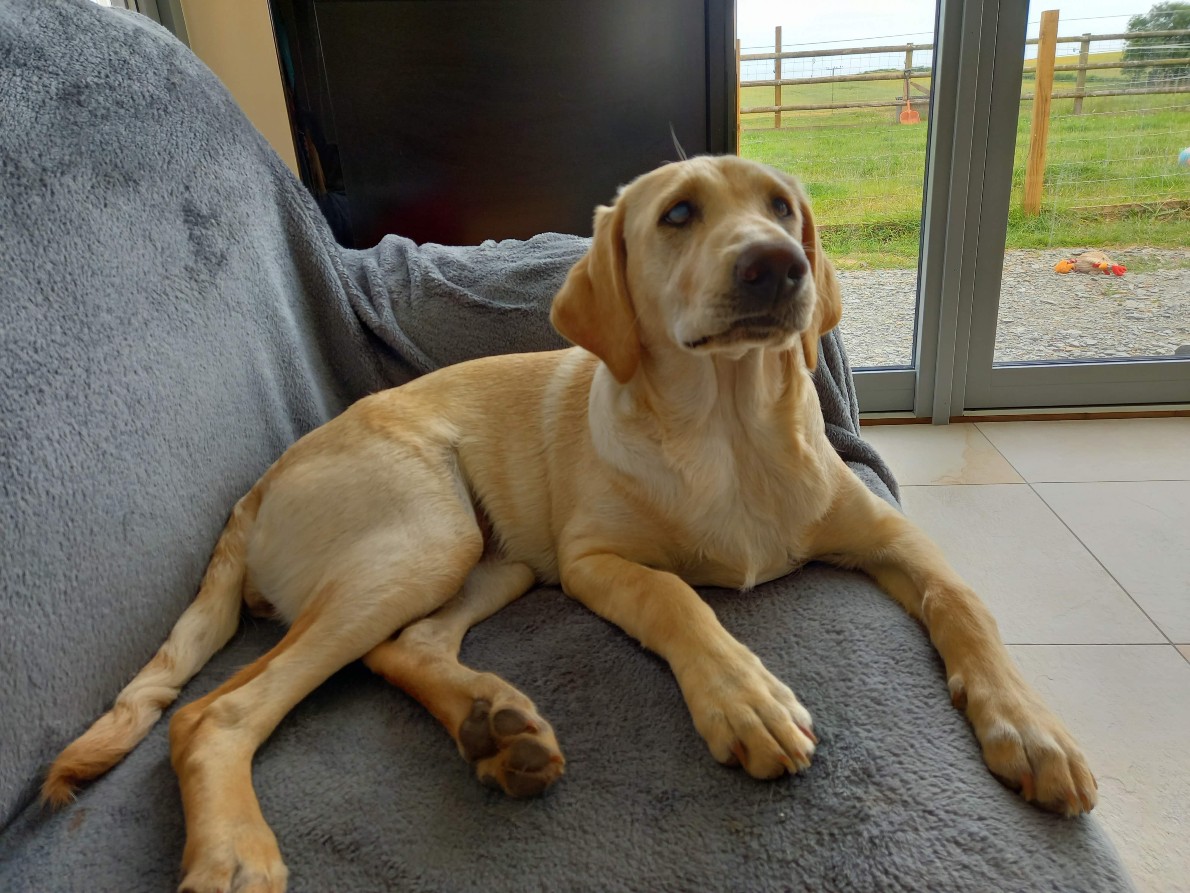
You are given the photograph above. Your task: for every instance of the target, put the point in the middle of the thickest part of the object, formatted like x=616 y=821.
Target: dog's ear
x=593 y=309
x=828 y=306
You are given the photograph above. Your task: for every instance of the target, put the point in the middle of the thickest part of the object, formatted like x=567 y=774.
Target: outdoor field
x=1112 y=177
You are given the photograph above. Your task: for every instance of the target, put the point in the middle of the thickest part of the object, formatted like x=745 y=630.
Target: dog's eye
x=679 y=215
x=782 y=207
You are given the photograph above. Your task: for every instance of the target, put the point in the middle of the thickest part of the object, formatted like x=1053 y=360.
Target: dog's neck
x=687 y=390
x=677 y=396
x=692 y=428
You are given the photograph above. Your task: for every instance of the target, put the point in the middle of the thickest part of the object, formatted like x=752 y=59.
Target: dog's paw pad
x=511 y=721
x=512 y=748
x=476 y=737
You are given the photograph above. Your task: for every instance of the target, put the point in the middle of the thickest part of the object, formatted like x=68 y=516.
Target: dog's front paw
x=511 y=747
x=1027 y=747
x=236 y=859
x=748 y=716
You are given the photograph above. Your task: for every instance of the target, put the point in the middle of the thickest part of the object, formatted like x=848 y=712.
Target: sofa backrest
x=164 y=335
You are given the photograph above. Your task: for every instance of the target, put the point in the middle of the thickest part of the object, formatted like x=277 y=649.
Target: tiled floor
x=1077 y=534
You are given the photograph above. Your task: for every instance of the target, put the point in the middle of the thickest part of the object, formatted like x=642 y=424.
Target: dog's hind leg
x=383 y=581
x=203 y=629
x=496 y=728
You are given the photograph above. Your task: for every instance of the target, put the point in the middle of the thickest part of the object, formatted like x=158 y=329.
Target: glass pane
x=1101 y=187
x=854 y=87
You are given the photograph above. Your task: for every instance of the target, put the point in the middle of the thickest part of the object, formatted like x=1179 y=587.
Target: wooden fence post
x=1080 y=80
x=1039 y=132
x=738 y=126
x=777 y=74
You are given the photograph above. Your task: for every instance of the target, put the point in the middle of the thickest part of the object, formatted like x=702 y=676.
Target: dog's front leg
x=1023 y=743
x=745 y=713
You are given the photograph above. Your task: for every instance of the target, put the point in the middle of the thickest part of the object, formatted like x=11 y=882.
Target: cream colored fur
x=681 y=443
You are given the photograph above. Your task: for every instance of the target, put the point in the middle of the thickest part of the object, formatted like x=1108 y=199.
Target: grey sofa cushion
x=173 y=314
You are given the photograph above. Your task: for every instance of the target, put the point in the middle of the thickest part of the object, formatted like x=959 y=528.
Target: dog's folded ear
x=828 y=306
x=593 y=309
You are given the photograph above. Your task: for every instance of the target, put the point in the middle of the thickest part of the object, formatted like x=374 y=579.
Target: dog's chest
x=737 y=504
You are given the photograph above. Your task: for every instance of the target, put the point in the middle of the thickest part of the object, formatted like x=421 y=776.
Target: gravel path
x=1043 y=315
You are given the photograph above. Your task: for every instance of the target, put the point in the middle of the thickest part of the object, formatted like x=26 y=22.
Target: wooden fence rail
x=899 y=47
x=908 y=73
x=1041 y=98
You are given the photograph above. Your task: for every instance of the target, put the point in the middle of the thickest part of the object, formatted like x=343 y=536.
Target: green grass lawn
x=1108 y=170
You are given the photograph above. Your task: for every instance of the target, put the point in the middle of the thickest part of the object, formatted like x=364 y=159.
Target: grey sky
x=856 y=22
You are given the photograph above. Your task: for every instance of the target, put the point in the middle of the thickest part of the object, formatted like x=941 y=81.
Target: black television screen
x=456 y=121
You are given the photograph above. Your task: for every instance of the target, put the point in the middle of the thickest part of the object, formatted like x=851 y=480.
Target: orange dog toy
x=1090 y=262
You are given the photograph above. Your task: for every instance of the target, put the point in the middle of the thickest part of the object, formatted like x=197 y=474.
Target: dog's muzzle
x=769 y=298
x=767 y=278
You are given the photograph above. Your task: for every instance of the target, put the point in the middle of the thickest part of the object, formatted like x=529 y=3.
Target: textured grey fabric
x=173 y=313
x=366 y=792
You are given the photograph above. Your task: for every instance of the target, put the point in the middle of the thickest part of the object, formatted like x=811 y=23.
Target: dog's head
x=710 y=255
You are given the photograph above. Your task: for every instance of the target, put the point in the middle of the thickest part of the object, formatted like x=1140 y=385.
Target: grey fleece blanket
x=174 y=313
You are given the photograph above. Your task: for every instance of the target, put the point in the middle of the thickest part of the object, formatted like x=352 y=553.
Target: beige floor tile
x=1185 y=649
x=1140 y=532
x=1129 y=708
x=1095 y=450
x=940 y=454
x=1040 y=583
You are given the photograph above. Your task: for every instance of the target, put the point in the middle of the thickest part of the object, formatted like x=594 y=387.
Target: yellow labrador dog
x=679 y=444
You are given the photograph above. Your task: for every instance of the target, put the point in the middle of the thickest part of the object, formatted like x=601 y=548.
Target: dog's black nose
x=768 y=272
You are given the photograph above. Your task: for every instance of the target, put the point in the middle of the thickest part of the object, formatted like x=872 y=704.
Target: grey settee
x=173 y=313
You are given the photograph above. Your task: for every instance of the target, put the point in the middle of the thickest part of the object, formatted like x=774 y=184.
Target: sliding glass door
x=1082 y=291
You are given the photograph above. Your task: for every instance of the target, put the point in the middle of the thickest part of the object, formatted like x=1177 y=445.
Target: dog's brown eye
x=782 y=207
x=679 y=215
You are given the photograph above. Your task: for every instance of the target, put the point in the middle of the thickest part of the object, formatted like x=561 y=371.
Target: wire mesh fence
x=1117 y=155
